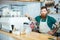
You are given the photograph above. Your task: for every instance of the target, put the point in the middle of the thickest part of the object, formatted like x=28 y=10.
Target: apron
x=43 y=27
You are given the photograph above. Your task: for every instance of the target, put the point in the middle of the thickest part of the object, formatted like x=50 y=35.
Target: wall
x=32 y=9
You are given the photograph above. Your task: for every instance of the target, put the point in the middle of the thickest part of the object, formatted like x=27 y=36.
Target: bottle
x=27 y=28
x=32 y=25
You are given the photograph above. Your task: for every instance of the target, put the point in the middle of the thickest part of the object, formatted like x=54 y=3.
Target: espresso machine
x=11 y=20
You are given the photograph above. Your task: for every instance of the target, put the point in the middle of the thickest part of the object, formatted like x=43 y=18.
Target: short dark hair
x=44 y=7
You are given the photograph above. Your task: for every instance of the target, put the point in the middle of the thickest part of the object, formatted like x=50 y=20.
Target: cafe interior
x=17 y=19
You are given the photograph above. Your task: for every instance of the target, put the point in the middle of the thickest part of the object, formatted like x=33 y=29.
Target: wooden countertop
x=31 y=36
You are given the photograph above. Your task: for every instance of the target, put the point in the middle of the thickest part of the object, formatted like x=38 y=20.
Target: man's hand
x=50 y=32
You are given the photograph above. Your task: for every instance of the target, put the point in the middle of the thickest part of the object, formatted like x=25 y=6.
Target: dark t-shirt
x=50 y=21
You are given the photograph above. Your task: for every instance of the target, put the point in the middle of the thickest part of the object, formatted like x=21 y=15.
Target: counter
x=31 y=36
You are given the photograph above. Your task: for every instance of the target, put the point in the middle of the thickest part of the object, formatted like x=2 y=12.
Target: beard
x=43 y=15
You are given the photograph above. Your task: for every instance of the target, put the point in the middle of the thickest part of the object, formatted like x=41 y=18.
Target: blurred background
x=22 y=8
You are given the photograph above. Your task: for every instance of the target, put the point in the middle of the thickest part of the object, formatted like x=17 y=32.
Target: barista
x=45 y=22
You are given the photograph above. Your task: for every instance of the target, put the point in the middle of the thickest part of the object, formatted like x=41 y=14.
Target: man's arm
x=54 y=29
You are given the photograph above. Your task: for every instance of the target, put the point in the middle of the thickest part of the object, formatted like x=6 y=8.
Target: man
x=45 y=22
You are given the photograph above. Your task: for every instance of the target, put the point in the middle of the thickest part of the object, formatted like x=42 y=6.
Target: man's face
x=43 y=12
